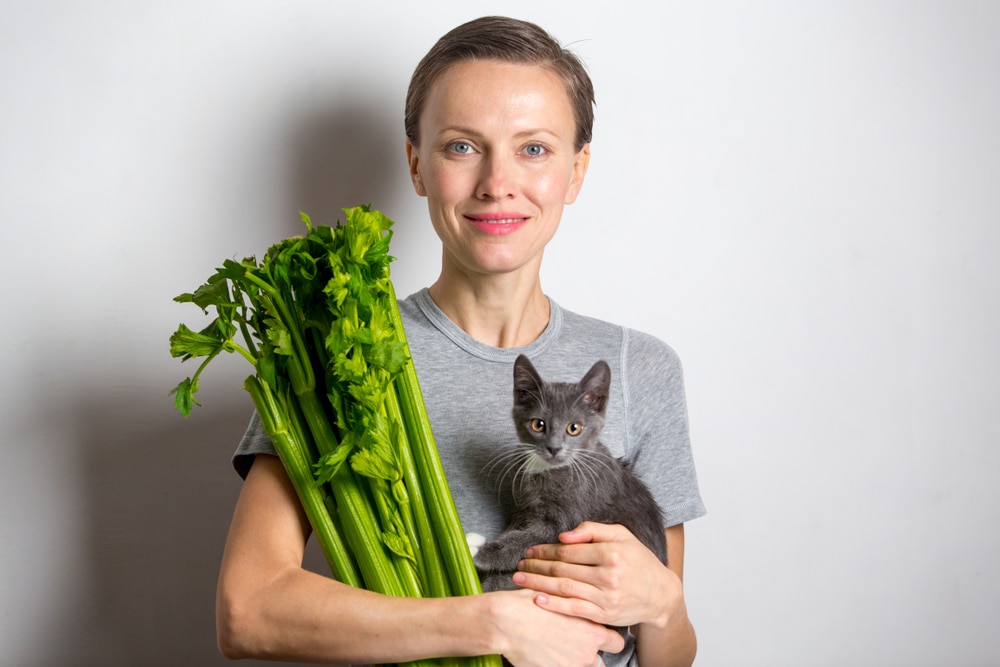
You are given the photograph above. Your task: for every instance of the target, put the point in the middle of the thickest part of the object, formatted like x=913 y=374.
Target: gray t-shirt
x=468 y=389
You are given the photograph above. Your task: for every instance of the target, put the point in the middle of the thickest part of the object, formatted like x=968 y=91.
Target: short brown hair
x=508 y=40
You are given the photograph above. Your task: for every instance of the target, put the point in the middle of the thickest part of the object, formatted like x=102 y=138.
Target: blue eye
x=461 y=147
x=535 y=150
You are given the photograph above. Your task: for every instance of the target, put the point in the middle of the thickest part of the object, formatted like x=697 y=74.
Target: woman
x=498 y=124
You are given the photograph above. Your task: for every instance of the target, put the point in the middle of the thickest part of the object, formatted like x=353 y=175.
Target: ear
x=413 y=160
x=526 y=378
x=580 y=166
x=596 y=386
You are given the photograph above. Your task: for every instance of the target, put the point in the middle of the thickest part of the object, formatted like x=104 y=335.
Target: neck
x=508 y=310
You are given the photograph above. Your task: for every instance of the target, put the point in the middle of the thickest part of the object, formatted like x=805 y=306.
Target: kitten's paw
x=499 y=581
x=475 y=540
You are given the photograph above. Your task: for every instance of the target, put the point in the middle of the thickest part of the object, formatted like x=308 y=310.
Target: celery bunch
x=338 y=395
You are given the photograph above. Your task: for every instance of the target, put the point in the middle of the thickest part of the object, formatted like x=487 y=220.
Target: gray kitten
x=562 y=475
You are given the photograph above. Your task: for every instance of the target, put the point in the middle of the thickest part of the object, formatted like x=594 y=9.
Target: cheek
x=553 y=187
x=444 y=183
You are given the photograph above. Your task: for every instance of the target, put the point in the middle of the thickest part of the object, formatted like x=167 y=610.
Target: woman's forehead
x=474 y=91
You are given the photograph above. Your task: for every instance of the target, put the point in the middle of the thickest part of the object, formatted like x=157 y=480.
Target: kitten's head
x=559 y=419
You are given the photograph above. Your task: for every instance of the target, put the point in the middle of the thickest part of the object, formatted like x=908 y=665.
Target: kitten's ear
x=526 y=378
x=596 y=386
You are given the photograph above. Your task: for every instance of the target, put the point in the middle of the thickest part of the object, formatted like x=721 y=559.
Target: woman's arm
x=603 y=573
x=268 y=606
x=675 y=644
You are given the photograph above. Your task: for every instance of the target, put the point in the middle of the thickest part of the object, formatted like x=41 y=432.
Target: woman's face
x=497 y=164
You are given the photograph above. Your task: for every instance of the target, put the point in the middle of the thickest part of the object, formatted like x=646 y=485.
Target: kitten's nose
x=554 y=448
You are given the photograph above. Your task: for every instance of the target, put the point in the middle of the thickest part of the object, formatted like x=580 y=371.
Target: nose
x=496 y=179
x=554 y=448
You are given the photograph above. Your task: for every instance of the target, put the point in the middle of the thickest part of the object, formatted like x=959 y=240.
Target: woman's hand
x=536 y=637
x=602 y=573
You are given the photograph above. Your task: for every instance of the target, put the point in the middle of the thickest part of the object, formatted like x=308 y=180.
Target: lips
x=497 y=224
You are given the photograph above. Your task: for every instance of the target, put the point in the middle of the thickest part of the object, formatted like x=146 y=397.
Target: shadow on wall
x=159 y=501
x=346 y=156
x=160 y=489
x=160 y=492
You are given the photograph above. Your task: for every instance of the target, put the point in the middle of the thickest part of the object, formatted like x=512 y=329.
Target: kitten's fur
x=561 y=477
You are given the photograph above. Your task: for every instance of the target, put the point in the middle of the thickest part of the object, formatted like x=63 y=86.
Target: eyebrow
x=461 y=129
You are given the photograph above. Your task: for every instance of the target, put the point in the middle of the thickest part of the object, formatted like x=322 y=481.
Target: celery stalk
x=337 y=393
x=447 y=526
x=294 y=456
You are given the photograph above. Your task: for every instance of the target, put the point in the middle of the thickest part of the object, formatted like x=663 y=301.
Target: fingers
x=591 y=531
x=571 y=606
x=587 y=553
x=559 y=585
x=572 y=544
x=537 y=637
x=614 y=644
x=599 y=602
x=598 y=572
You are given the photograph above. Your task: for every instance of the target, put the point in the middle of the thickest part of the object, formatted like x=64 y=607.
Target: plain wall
x=803 y=199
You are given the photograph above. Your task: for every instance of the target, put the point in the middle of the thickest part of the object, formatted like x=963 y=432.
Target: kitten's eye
x=538 y=425
x=574 y=429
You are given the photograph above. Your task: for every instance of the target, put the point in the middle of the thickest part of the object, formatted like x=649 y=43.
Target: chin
x=496 y=263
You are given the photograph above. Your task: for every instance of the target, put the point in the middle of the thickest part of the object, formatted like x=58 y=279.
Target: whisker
x=593 y=464
x=499 y=460
x=512 y=463
x=584 y=466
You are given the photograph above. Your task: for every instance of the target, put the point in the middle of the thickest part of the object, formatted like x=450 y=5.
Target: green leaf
x=339 y=409
x=337 y=286
x=368 y=463
x=390 y=356
x=279 y=337
x=376 y=457
x=306 y=219
x=237 y=271
x=381 y=324
x=351 y=367
x=187 y=343
x=398 y=544
x=305 y=266
x=212 y=293
x=183 y=395
x=370 y=392
x=328 y=464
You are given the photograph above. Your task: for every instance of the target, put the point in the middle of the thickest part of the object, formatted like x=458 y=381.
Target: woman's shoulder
x=409 y=307
x=421 y=318
x=637 y=347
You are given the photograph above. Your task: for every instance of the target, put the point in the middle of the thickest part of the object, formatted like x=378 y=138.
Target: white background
x=803 y=199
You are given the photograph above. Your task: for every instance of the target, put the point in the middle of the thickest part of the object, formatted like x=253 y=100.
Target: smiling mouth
x=498 y=224
x=496 y=221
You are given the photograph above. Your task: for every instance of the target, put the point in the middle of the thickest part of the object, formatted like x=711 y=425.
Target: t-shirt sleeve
x=255 y=441
x=659 y=445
